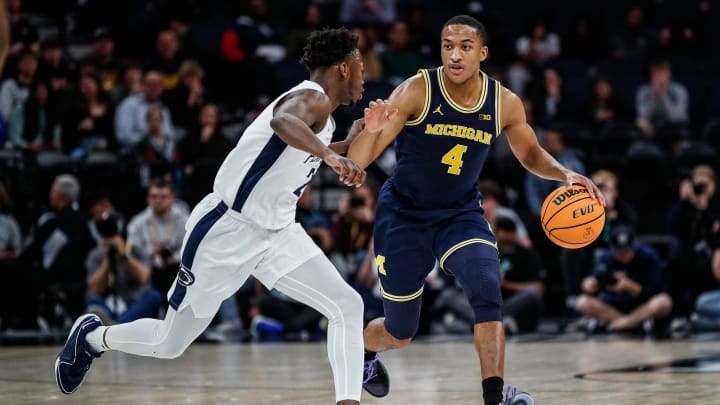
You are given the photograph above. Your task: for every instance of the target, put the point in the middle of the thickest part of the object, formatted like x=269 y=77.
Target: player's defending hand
x=350 y=172
x=378 y=114
x=575 y=178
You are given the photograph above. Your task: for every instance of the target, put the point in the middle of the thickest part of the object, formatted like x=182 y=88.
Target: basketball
x=571 y=218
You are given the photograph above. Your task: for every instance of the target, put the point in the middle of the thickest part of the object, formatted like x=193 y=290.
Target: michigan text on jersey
x=459 y=131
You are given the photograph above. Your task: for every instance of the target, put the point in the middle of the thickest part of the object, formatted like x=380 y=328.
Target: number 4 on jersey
x=454 y=158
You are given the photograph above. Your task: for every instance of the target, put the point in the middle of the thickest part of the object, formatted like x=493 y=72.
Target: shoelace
x=370 y=370
x=510 y=393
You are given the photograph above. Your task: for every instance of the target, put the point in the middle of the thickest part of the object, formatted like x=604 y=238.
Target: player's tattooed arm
x=385 y=119
x=528 y=151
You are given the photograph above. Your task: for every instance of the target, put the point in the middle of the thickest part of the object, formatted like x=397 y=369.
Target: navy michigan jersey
x=441 y=152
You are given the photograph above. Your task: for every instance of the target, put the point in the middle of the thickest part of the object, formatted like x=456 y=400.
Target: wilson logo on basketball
x=578 y=212
x=589 y=233
x=567 y=194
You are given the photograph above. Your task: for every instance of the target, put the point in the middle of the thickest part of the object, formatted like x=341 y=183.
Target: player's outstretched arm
x=293 y=120
x=385 y=119
x=528 y=151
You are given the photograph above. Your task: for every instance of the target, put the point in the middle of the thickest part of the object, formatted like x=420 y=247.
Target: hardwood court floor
x=424 y=373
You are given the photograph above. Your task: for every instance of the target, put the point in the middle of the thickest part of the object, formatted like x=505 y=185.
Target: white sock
x=96 y=341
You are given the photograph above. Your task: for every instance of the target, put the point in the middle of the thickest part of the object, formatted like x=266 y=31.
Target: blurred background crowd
x=114 y=117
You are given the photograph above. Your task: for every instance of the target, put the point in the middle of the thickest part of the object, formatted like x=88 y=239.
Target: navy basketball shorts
x=408 y=243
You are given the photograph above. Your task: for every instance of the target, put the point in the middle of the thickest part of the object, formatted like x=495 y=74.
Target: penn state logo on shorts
x=185 y=277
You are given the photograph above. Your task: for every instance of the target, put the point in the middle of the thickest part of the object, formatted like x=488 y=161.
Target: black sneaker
x=512 y=397
x=73 y=362
x=375 y=378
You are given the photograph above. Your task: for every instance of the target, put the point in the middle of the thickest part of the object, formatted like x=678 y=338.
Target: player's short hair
x=470 y=22
x=327 y=47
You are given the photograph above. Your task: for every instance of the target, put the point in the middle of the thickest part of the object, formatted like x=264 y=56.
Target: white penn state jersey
x=263 y=177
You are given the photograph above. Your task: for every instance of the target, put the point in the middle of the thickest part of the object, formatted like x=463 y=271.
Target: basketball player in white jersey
x=246 y=227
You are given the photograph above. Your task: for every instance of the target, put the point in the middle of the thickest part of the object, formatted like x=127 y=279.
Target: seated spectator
x=522 y=280
x=625 y=287
x=33 y=125
x=539 y=45
x=399 y=61
x=167 y=59
x=186 y=99
x=23 y=34
x=494 y=211
x=53 y=68
x=603 y=106
x=536 y=188
x=693 y=222
x=155 y=152
x=16 y=90
x=90 y=121
x=549 y=104
x=60 y=246
x=156 y=234
x=129 y=82
x=104 y=58
x=202 y=151
x=119 y=288
x=662 y=101
x=635 y=38
x=131 y=115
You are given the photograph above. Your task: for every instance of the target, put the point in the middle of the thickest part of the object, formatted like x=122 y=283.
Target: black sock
x=369 y=355
x=493 y=390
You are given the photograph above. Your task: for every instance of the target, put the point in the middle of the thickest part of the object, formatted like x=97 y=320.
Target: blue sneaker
x=512 y=397
x=376 y=380
x=73 y=362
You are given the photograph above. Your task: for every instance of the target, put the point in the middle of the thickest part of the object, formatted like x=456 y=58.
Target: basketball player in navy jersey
x=444 y=121
x=246 y=226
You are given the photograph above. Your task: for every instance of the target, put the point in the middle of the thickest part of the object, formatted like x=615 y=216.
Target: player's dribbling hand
x=351 y=174
x=378 y=114
x=576 y=178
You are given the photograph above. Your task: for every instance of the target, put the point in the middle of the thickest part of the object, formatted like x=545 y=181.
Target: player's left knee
x=662 y=304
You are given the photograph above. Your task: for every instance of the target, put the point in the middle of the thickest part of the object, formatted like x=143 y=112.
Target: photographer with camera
x=118 y=283
x=625 y=287
x=693 y=223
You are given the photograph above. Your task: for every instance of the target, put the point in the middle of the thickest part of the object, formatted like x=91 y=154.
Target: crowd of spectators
x=115 y=118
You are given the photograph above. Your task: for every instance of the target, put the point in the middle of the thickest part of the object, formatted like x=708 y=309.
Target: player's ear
x=344 y=69
x=483 y=53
